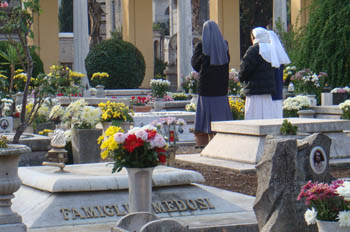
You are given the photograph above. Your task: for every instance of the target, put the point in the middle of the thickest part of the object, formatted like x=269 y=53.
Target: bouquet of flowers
x=138 y=148
x=237 y=108
x=115 y=112
x=190 y=82
x=139 y=101
x=191 y=107
x=288 y=72
x=6 y=107
x=327 y=202
x=169 y=127
x=346 y=89
x=159 y=87
x=19 y=80
x=308 y=82
x=233 y=82
x=179 y=96
x=56 y=113
x=99 y=78
x=345 y=107
x=293 y=104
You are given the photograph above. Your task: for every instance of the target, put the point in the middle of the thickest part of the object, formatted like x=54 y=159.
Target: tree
x=65 y=16
x=324 y=42
x=17 y=24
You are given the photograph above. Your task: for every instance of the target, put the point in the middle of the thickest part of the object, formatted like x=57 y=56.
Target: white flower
x=344 y=218
x=142 y=134
x=344 y=190
x=310 y=216
x=149 y=127
x=158 y=141
x=181 y=122
x=120 y=137
x=68 y=135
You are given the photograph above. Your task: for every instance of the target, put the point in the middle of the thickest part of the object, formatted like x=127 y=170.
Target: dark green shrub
x=121 y=60
x=324 y=42
x=288 y=129
x=38 y=64
x=159 y=67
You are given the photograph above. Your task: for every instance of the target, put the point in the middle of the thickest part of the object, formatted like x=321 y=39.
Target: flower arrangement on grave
x=288 y=128
x=327 y=202
x=45 y=132
x=288 y=72
x=99 y=78
x=345 y=107
x=65 y=81
x=19 y=80
x=192 y=107
x=190 y=82
x=308 y=82
x=3 y=141
x=179 y=96
x=6 y=105
x=169 y=128
x=237 y=107
x=107 y=141
x=138 y=148
x=345 y=89
x=233 y=82
x=115 y=112
x=293 y=104
x=159 y=87
x=139 y=101
x=56 y=114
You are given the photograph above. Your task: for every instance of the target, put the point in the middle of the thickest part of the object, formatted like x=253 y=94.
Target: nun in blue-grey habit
x=211 y=59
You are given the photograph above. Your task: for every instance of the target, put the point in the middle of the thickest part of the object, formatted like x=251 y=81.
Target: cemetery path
x=232 y=181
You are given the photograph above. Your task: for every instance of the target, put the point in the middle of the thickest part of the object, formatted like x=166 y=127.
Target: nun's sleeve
x=248 y=64
x=197 y=58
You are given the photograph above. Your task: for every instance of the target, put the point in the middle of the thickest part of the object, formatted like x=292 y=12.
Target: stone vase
x=194 y=99
x=158 y=104
x=140 y=189
x=328 y=226
x=100 y=91
x=84 y=145
x=10 y=183
x=313 y=99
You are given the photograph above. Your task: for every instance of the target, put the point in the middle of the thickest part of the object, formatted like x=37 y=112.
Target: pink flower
x=141 y=134
x=120 y=137
x=158 y=141
x=4 y=5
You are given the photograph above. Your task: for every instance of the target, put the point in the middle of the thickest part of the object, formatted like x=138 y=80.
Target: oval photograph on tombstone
x=318 y=160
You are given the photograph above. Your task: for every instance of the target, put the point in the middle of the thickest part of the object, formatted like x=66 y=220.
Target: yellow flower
x=3 y=76
x=76 y=74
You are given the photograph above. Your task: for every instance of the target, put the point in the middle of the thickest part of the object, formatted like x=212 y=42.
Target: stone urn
x=10 y=183
x=140 y=189
x=327 y=226
x=100 y=91
x=158 y=104
x=84 y=145
x=194 y=99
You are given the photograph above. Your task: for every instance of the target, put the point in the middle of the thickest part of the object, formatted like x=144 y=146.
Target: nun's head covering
x=214 y=44
x=261 y=36
x=277 y=46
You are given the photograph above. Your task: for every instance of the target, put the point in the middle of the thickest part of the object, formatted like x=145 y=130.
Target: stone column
x=280 y=13
x=184 y=40
x=113 y=17
x=81 y=36
x=226 y=14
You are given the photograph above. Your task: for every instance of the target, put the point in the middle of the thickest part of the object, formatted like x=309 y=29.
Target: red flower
x=162 y=158
x=132 y=142
x=133 y=98
x=16 y=115
x=60 y=94
x=151 y=134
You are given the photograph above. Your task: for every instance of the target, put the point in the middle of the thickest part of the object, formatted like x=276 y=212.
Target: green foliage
x=5 y=66
x=65 y=16
x=324 y=42
x=159 y=67
x=3 y=141
x=121 y=60
x=288 y=129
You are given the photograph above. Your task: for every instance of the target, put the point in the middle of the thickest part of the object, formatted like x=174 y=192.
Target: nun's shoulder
x=253 y=49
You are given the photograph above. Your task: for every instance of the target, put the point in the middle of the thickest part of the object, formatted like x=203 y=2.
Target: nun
x=258 y=76
x=211 y=60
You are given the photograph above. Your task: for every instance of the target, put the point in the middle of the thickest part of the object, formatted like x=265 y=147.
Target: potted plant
x=345 y=107
x=292 y=105
x=237 y=108
x=328 y=205
x=140 y=104
x=179 y=96
x=339 y=95
x=99 y=80
x=139 y=150
x=117 y=114
x=159 y=89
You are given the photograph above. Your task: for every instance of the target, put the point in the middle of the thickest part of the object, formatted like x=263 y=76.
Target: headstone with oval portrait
x=6 y=124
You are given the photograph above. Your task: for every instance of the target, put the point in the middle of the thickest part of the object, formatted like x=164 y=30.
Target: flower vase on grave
x=158 y=104
x=84 y=146
x=100 y=91
x=194 y=99
x=140 y=189
x=327 y=226
x=312 y=98
x=10 y=183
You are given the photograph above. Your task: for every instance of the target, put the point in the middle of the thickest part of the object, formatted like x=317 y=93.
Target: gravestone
x=287 y=165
